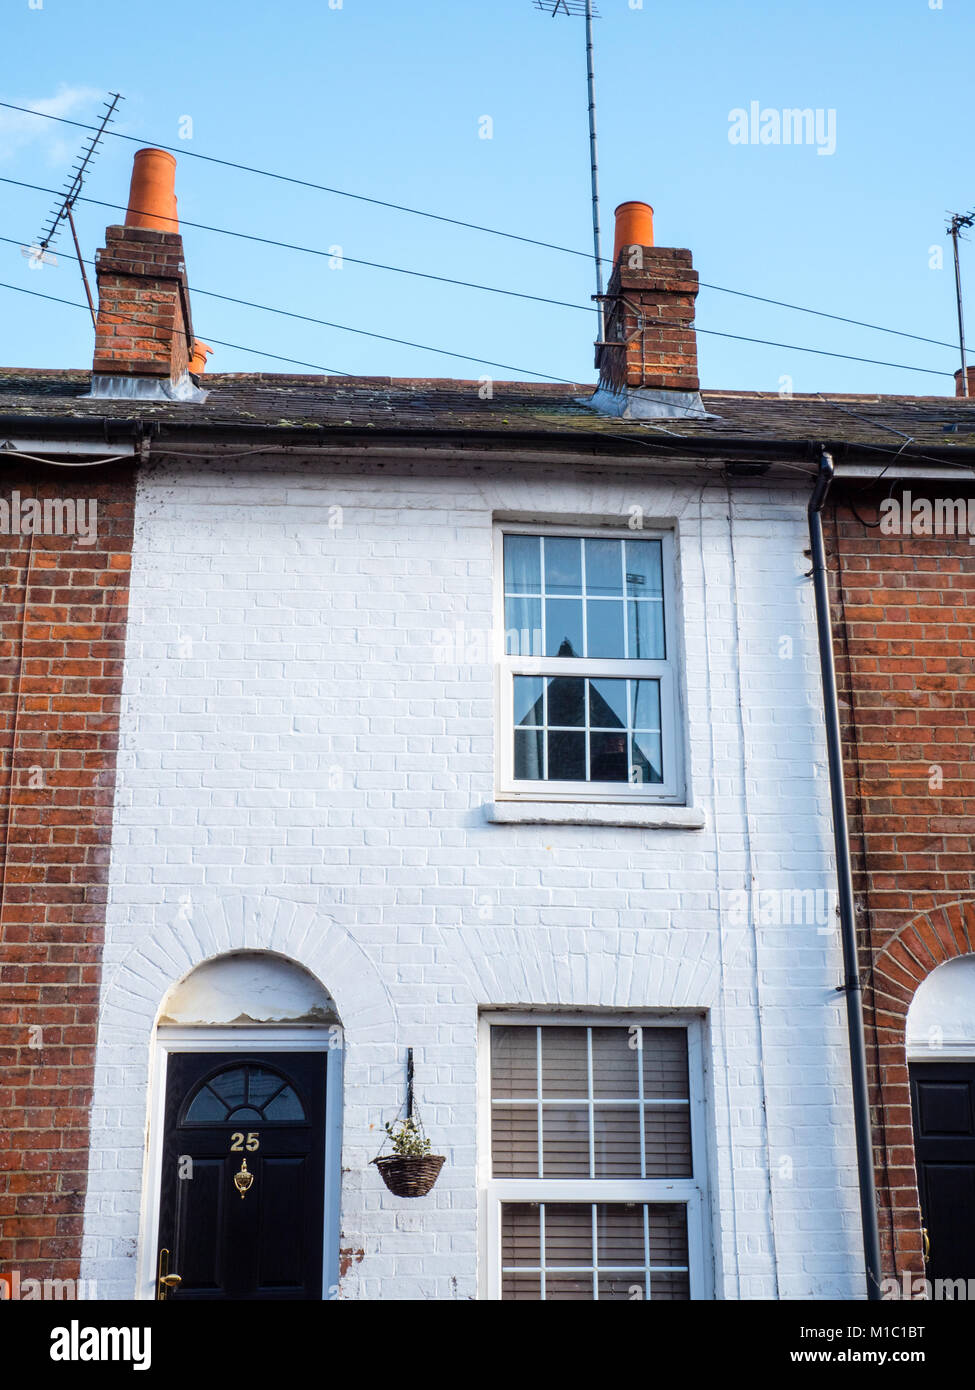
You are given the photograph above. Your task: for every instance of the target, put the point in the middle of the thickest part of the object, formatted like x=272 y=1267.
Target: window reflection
x=240 y=1093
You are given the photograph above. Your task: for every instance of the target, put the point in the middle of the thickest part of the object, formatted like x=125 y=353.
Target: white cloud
x=53 y=143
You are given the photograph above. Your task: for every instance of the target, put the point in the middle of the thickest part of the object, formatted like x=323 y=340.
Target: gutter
x=664 y=444
x=851 y=986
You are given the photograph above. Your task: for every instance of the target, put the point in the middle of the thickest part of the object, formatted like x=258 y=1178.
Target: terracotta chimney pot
x=198 y=361
x=634 y=227
x=959 y=385
x=152 y=193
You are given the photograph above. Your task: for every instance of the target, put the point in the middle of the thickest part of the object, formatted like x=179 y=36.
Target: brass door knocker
x=243 y=1179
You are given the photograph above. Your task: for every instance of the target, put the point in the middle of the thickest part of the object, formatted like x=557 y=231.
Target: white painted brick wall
x=302 y=772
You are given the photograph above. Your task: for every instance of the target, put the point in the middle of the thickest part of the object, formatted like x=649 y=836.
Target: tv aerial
x=40 y=253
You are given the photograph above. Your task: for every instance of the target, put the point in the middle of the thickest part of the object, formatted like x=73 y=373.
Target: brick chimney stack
x=649 y=345
x=144 y=329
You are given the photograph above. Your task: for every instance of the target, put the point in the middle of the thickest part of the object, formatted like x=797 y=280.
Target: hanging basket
x=409 y=1177
x=405 y=1174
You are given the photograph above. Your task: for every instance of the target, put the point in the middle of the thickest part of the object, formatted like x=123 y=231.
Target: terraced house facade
x=475 y=723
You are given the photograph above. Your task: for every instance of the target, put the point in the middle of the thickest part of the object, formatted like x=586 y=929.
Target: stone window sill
x=642 y=815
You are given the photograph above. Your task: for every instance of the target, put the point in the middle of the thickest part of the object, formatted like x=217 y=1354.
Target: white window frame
x=693 y=1191
x=672 y=789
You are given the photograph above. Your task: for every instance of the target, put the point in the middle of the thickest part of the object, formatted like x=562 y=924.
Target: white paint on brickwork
x=246 y=988
x=298 y=774
x=941 y=1019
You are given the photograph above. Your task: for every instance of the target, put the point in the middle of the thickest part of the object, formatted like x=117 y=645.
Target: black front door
x=943 y=1102
x=243 y=1180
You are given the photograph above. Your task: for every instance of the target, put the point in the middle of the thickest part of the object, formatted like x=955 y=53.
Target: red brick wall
x=649 y=333
x=60 y=682
x=143 y=305
x=904 y=621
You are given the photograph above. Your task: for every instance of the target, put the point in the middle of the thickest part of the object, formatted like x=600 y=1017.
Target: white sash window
x=594 y=1160
x=587 y=670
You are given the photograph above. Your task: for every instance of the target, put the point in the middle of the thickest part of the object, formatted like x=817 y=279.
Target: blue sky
x=386 y=98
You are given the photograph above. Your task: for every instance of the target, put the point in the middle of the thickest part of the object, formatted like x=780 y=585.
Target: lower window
x=596 y=1188
x=616 y=1251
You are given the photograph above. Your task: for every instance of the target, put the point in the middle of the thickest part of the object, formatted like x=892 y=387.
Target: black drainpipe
x=851 y=983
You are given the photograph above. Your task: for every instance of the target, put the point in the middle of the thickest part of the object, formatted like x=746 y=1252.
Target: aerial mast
x=958 y=221
x=64 y=211
x=586 y=8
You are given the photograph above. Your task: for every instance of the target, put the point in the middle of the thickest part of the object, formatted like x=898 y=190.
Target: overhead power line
x=822 y=314
x=239 y=347
x=822 y=352
x=327 y=323
x=453 y=221
x=314 y=251
x=404 y=342
x=444 y=352
x=673 y=442
x=327 y=254
x=302 y=183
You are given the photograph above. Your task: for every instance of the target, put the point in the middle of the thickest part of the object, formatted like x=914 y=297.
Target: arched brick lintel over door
x=924 y=943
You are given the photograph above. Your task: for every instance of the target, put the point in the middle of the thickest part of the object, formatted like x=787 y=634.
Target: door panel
x=200 y=1211
x=280 y=1263
x=943 y=1097
x=258 y=1118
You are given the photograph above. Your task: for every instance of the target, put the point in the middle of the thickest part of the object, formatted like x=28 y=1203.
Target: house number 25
x=238 y=1142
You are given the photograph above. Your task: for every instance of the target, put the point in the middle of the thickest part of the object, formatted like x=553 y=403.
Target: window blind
x=595 y=1102
x=609 y=1251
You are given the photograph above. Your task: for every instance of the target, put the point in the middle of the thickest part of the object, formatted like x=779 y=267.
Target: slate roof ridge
x=558 y=390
